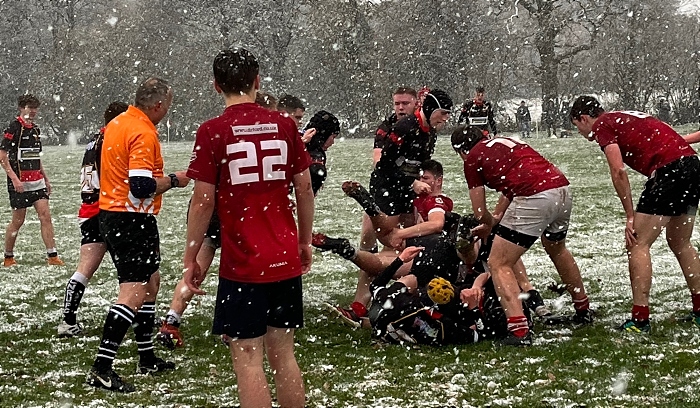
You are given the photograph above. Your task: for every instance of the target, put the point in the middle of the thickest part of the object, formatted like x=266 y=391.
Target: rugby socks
x=9 y=254
x=51 y=252
x=359 y=309
x=518 y=326
x=173 y=318
x=696 y=303
x=74 y=294
x=640 y=313
x=581 y=305
x=143 y=331
x=119 y=319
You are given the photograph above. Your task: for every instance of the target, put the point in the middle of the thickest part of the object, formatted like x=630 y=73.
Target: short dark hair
x=432 y=166
x=28 y=100
x=404 y=90
x=585 y=105
x=114 y=109
x=235 y=70
x=150 y=92
x=290 y=103
x=465 y=137
x=266 y=100
x=480 y=89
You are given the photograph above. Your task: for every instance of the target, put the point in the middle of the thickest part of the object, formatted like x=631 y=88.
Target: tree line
x=345 y=56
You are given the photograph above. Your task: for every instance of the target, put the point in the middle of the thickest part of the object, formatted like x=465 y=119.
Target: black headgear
x=325 y=124
x=434 y=100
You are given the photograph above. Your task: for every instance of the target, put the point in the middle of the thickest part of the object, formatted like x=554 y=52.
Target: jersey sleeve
x=203 y=166
x=472 y=171
x=142 y=155
x=441 y=204
x=604 y=134
x=9 y=135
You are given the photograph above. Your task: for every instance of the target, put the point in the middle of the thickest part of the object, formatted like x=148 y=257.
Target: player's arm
x=621 y=182
x=492 y=121
x=5 y=162
x=501 y=207
x=200 y=212
x=692 y=138
x=477 y=195
x=305 y=215
x=376 y=155
x=434 y=224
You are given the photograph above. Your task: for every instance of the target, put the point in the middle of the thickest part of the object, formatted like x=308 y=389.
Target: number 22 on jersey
x=251 y=168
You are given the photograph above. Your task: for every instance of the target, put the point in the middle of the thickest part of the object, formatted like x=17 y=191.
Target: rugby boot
x=635 y=326
x=9 y=261
x=69 y=330
x=156 y=366
x=109 y=380
x=169 y=336
x=513 y=340
x=354 y=190
x=339 y=246
x=349 y=316
x=55 y=261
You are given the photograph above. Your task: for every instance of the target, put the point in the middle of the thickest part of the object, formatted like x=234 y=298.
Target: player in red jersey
x=92 y=245
x=535 y=203
x=669 y=200
x=243 y=162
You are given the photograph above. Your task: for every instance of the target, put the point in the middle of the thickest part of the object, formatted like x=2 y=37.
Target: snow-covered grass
x=593 y=366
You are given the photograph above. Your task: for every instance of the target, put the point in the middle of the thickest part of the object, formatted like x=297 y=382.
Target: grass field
x=592 y=366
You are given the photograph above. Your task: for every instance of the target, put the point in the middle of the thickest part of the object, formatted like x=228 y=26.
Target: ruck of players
x=427 y=275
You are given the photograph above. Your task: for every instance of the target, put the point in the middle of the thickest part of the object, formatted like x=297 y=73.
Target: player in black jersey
x=327 y=127
x=394 y=182
x=479 y=112
x=92 y=245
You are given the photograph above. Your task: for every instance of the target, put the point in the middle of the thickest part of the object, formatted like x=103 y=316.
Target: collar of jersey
x=24 y=123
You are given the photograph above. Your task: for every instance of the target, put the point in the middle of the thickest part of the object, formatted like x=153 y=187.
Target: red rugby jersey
x=251 y=155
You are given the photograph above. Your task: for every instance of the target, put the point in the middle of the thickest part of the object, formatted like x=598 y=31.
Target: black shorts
x=245 y=310
x=90 y=231
x=392 y=193
x=27 y=198
x=133 y=243
x=673 y=190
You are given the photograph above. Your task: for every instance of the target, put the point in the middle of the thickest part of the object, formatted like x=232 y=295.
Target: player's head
x=522 y=103
x=583 y=114
x=327 y=128
x=113 y=110
x=431 y=174
x=440 y=291
x=28 y=101
x=436 y=108
x=154 y=97
x=28 y=105
x=465 y=137
x=405 y=100
x=266 y=100
x=479 y=94
x=293 y=106
x=236 y=72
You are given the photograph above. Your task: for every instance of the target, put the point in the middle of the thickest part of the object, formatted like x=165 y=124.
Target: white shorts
x=548 y=211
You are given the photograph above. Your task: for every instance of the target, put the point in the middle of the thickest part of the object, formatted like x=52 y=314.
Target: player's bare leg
x=678 y=233
x=247 y=357
x=18 y=217
x=279 y=347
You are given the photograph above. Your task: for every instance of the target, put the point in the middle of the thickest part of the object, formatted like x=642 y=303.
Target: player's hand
x=308 y=134
x=396 y=242
x=305 y=256
x=630 y=233
x=482 y=231
x=182 y=178
x=17 y=184
x=193 y=278
x=471 y=297
x=420 y=187
x=410 y=253
x=48 y=186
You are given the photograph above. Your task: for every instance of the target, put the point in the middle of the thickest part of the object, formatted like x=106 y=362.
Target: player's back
x=252 y=155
